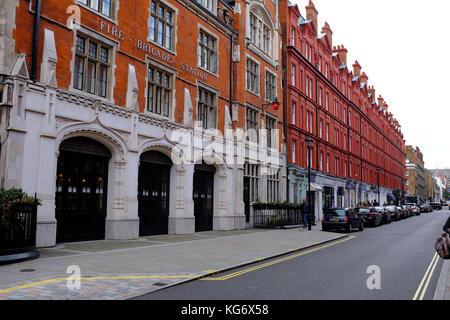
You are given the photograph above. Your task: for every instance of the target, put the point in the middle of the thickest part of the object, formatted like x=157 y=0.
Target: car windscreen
x=335 y=213
x=363 y=210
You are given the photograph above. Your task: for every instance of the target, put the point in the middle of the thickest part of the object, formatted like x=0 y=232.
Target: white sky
x=404 y=48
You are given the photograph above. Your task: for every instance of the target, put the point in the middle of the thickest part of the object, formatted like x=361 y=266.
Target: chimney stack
x=364 y=77
x=311 y=14
x=356 y=69
x=342 y=53
x=326 y=29
x=380 y=101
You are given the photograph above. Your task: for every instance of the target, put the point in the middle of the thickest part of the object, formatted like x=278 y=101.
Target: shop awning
x=316 y=188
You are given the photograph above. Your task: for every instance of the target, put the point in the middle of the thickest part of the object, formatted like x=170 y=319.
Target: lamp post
x=275 y=105
x=309 y=143
x=378 y=170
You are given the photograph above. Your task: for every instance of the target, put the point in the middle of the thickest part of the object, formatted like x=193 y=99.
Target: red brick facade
x=362 y=135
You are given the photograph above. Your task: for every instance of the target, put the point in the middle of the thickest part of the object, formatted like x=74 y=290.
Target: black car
x=426 y=208
x=436 y=205
x=385 y=215
x=370 y=215
x=393 y=212
x=342 y=219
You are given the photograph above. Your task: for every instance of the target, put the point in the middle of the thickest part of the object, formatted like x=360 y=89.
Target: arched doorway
x=153 y=193
x=203 y=196
x=81 y=190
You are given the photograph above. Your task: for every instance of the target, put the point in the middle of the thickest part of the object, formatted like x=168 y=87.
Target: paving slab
x=123 y=269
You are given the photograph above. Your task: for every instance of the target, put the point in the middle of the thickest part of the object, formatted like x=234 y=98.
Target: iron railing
x=17 y=227
x=276 y=218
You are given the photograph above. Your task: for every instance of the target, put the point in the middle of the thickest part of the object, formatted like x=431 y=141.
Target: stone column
x=181 y=216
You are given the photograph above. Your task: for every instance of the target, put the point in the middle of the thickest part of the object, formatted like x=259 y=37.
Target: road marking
x=239 y=273
x=49 y=281
x=426 y=278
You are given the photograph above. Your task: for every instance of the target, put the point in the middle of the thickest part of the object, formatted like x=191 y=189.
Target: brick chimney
x=342 y=53
x=326 y=29
x=371 y=90
x=380 y=101
x=311 y=14
x=356 y=69
x=364 y=77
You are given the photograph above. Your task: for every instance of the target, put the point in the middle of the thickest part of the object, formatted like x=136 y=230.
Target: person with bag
x=442 y=245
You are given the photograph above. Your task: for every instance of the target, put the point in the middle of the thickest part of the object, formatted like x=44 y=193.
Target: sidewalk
x=443 y=286
x=115 y=270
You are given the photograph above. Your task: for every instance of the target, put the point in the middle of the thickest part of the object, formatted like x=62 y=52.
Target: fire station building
x=137 y=118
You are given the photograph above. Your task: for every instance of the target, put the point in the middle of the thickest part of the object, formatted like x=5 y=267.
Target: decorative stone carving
x=188 y=109
x=132 y=102
x=20 y=69
x=49 y=60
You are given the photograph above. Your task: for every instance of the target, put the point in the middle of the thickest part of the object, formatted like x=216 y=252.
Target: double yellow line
x=423 y=286
x=265 y=265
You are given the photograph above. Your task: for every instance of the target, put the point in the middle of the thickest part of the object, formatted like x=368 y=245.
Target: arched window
x=261 y=31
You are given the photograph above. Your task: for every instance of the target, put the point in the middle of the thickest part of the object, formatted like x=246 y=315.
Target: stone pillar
x=122 y=222
x=181 y=216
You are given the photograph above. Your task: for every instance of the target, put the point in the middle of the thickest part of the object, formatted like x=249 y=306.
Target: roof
x=343 y=66
x=355 y=78
x=321 y=36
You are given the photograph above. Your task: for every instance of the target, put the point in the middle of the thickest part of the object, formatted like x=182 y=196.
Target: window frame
x=201 y=104
x=100 y=3
x=256 y=74
x=212 y=53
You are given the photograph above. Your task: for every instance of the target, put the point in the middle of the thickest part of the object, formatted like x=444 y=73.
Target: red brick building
x=354 y=133
x=130 y=106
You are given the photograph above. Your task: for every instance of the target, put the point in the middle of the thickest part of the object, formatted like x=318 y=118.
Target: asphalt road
x=403 y=251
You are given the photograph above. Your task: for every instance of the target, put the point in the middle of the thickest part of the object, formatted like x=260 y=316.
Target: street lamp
x=275 y=105
x=378 y=170
x=309 y=144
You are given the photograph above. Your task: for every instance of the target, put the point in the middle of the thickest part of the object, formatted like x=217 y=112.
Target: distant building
x=415 y=174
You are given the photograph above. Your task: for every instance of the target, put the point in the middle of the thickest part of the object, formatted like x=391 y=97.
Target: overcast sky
x=404 y=48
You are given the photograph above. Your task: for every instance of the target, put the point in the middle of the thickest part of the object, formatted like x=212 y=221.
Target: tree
x=446 y=195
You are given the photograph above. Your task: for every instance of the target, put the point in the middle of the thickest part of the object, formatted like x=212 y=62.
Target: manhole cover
x=27 y=270
x=160 y=284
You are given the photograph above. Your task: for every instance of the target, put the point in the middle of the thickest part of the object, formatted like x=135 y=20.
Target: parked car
x=415 y=208
x=408 y=211
x=342 y=219
x=385 y=215
x=393 y=211
x=371 y=216
x=426 y=208
x=436 y=205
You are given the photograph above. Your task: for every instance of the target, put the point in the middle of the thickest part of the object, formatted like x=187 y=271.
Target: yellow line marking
x=44 y=282
x=435 y=257
x=429 y=278
x=238 y=273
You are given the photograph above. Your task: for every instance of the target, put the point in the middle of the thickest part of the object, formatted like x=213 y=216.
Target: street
x=403 y=251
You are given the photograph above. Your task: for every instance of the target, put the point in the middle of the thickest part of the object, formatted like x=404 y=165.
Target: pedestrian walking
x=305 y=213
x=447 y=225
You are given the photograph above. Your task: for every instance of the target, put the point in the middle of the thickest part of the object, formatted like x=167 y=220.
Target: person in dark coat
x=305 y=213
x=447 y=225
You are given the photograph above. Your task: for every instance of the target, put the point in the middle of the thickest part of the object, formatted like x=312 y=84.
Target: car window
x=363 y=210
x=335 y=213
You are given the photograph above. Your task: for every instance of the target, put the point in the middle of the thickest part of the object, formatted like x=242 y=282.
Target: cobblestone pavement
x=115 y=270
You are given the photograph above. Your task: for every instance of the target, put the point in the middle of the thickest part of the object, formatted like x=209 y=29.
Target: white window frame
x=258 y=80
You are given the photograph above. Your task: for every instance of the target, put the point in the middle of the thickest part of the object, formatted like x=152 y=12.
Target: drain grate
x=160 y=284
x=27 y=270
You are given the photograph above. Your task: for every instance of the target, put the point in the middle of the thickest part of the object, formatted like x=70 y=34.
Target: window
x=207 y=52
x=321 y=161
x=310 y=88
x=293 y=75
x=307 y=85
x=208 y=4
x=320 y=96
x=161 y=25
x=273 y=185
x=207 y=111
x=271 y=87
x=320 y=129
x=306 y=50
x=252 y=76
x=159 y=93
x=311 y=122
x=252 y=122
x=328 y=129
x=292 y=36
x=102 y=6
x=92 y=64
x=307 y=121
x=294 y=112
x=252 y=173
x=260 y=33
x=294 y=151
x=328 y=162
x=326 y=70
x=271 y=126
x=326 y=101
x=320 y=64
